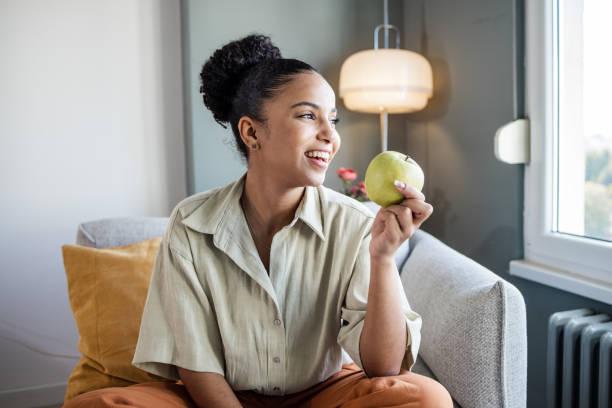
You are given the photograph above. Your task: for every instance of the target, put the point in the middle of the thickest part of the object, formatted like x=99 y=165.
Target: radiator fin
x=579 y=359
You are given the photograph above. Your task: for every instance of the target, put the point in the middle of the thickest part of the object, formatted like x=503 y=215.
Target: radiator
x=579 y=359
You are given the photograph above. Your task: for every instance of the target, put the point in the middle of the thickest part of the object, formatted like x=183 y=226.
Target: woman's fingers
x=408 y=191
x=417 y=206
x=401 y=220
x=403 y=217
x=394 y=224
x=411 y=212
x=414 y=198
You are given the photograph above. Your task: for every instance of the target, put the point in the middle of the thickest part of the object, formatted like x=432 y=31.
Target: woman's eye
x=334 y=121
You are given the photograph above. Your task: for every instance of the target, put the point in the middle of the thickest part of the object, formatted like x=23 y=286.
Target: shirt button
x=277 y=322
x=276 y=360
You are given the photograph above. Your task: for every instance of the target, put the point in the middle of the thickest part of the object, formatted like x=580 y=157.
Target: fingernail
x=399 y=184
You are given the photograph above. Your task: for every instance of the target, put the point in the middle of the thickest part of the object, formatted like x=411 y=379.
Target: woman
x=260 y=284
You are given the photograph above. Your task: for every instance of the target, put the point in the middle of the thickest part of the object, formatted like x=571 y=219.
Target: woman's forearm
x=383 y=339
x=208 y=390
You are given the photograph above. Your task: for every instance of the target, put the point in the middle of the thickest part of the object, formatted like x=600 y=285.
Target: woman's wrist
x=384 y=259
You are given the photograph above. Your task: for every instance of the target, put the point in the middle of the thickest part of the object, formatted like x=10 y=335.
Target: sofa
x=474 y=339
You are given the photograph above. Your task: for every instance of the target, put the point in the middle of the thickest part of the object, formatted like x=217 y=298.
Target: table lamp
x=385 y=80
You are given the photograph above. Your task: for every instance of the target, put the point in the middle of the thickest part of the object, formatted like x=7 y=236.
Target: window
x=584 y=124
x=568 y=183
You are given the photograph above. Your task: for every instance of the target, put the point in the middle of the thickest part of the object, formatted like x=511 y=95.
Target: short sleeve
x=178 y=326
x=353 y=310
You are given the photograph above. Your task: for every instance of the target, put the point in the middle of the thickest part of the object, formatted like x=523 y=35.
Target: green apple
x=384 y=169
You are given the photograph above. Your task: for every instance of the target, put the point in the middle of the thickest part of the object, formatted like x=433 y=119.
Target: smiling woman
x=260 y=285
x=282 y=113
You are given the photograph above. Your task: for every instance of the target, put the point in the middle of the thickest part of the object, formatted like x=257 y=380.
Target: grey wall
x=320 y=32
x=478 y=200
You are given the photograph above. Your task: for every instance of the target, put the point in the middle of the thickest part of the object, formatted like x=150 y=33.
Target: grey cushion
x=474 y=325
x=113 y=232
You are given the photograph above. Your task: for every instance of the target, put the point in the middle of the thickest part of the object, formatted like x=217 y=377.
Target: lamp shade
x=392 y=80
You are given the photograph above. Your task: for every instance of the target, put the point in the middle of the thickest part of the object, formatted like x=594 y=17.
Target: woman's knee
x=434 y=394
x=406 y=389
x=153 y=394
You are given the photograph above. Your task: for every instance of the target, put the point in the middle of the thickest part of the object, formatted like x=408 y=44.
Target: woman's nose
x=326 y=132
x=325 y=135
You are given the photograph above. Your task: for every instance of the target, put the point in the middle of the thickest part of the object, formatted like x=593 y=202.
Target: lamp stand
x=383 y=129
x=384 y=117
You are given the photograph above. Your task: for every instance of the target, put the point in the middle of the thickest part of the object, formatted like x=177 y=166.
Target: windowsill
x=561 y=279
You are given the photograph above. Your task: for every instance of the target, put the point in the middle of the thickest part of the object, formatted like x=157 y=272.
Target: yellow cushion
x=107 y=290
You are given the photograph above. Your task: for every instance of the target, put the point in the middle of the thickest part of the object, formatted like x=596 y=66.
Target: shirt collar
x=222 y=207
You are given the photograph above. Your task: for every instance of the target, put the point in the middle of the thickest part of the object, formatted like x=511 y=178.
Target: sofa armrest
x=474 y=334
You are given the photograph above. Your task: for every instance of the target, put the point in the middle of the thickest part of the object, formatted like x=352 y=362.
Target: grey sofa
x=474 y=337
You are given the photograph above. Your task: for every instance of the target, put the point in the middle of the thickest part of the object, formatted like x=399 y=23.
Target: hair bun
x=222 y=73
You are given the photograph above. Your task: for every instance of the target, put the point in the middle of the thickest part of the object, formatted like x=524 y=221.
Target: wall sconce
x=386 y=80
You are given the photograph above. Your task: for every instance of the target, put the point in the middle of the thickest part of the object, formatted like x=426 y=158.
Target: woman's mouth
x=318 y=158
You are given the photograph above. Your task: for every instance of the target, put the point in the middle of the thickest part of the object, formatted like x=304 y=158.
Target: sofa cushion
x=107 y=289
x=120 y=231
x=474 y=328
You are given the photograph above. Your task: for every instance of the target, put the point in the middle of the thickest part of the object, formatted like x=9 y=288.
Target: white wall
x=91 y=126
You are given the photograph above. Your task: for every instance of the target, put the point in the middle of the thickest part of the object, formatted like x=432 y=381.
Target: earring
x=254 y=145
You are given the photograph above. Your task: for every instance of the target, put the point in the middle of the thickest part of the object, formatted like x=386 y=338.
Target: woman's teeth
x=319 y=155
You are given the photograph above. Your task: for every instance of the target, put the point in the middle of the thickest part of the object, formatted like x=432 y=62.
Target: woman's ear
x=246 y=127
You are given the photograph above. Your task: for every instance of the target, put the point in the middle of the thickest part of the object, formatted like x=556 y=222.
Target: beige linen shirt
x=212 y=307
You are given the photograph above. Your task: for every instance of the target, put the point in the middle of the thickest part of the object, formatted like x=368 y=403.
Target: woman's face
x=300 y=120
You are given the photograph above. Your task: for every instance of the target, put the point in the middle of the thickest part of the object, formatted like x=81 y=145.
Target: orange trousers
x=349 y=388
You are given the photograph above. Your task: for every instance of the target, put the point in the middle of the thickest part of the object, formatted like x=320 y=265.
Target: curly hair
x=240 y=76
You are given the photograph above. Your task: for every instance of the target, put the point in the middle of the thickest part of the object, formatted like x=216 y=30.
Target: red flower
x=355 y=190
x=362 y=188
x=346 y=174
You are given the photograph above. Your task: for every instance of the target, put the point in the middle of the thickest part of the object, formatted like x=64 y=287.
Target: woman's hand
x=396 y=223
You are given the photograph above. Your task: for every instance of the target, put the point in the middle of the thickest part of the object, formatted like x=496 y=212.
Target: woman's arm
x=383 y=338
x=208 y=390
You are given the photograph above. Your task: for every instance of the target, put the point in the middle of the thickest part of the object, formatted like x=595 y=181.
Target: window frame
x=572 y=263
